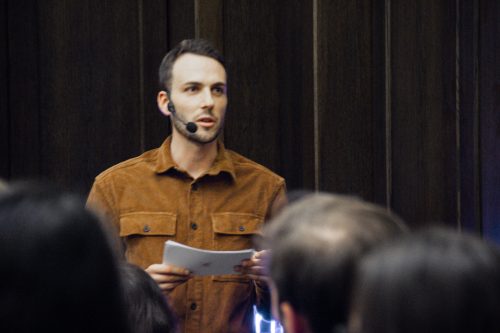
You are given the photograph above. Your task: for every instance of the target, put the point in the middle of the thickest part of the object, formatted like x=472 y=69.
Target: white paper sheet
x=203 y=262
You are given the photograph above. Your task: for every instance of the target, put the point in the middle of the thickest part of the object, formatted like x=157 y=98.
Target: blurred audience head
x=58 y=271
x=315 y=243
x=147 y=307
x=436 y=280
x=3 y=185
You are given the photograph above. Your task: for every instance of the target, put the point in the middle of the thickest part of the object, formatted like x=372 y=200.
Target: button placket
x=195 y=239
x=195 y=187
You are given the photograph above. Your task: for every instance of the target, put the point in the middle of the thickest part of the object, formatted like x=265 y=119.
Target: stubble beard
x=195 y=137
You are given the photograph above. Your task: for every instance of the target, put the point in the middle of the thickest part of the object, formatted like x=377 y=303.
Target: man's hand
x=168 y=277
x=254 y=267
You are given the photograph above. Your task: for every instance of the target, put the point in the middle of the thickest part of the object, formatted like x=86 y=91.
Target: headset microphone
x=190 y=126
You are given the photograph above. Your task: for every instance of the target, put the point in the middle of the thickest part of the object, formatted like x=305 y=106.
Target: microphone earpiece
x=190 y=126
x=171 y=107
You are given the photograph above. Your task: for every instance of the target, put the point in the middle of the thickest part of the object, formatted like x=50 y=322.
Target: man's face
x=198 y=92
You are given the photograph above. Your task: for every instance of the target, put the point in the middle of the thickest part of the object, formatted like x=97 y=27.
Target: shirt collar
x=222 y=163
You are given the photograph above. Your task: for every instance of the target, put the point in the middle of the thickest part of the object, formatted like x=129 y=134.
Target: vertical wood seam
x=477 y=125
x=457 y=117
x=196 y=19
x=388 y=104
x=140 y=22
x=8 y=90
x=315 y=97
x=38 y=73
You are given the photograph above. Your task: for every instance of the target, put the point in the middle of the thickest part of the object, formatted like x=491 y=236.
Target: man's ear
x=162 y=100
x=293 y=321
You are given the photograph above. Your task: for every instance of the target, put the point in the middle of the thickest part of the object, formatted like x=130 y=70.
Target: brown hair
x=194 y=46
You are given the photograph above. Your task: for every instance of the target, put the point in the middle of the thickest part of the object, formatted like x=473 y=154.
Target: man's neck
x=195 y=158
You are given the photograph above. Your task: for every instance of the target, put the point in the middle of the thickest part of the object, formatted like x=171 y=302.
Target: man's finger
x=255 y=270
x=163 y=278
x=166 y=269
x=260 y=255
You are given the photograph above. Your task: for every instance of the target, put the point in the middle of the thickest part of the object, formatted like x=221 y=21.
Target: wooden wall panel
x=423 y=111
x=153 y=48
x=468 y=107
x=345 y=98
x=295 y=63
x=209 y=22
x=180 y=21
x=253 y=124
x=380 y=60
x=395 y=101
x=24 y=87
x=90 y=96
x=270 y=116
x=4 y=95
x=489 y=106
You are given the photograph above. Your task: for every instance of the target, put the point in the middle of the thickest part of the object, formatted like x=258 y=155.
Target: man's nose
x=208 y=100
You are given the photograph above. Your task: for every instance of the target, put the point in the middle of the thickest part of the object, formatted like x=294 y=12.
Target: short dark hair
x=195 y=46
x=58 y=271
x=436 y=280
x=315 y=243
x=147 y=307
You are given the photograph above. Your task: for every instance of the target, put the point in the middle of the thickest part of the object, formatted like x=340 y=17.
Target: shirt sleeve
x=100 y=202
x=279 y=201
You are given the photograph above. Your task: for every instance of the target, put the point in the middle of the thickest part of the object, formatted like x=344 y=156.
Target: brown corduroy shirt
x=150 y=200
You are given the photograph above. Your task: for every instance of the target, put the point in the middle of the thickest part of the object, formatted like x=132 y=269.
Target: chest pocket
x=148 y=224
x=234 y=231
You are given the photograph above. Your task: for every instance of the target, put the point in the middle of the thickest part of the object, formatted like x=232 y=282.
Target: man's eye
x=192 y=89
x=218 y=90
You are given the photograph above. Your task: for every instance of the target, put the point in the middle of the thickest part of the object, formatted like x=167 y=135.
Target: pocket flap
x=236 y=223
x=148 y=224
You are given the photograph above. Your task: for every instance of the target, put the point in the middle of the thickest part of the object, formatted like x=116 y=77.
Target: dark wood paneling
x=89 y=65
x=153 y=48
x=24 y=87
x=470 y=210
x=423 y=110
x=79 y=84
x=380 y=109
x=64 y=66
x=4 y=95
x=345 y=97
x=489 y=97
x=294 y=41
x=180 y=21
x=253 y=124
x=209 y=22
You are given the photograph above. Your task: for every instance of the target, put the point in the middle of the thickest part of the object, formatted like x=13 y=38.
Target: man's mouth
x=206 y=122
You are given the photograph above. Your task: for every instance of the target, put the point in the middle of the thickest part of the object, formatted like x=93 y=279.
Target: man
x=315 y=243
x=194 y=191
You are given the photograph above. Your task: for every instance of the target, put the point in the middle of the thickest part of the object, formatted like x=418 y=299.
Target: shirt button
x=146 y=228
x=194 y=226
x=241 y=228
x=195 y=187
x=193 y=306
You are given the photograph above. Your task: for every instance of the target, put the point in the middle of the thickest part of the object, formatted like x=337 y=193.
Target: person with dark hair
x=434 y=281
x=315 y=243
x=194 y=191
x=58 y=271
x=148 y=311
